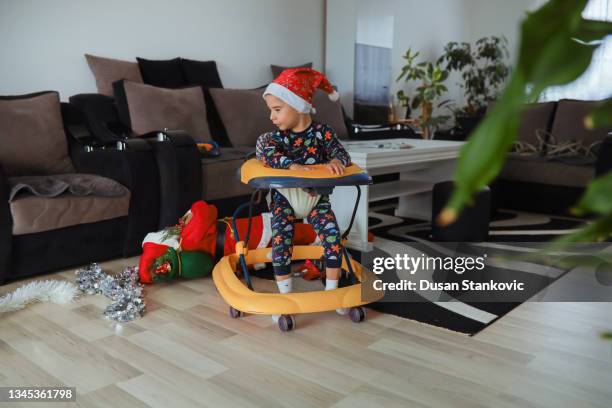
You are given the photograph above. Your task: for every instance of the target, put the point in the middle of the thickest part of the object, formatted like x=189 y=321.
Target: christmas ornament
x=123 y=289
x=39 y=291
x=190 y=248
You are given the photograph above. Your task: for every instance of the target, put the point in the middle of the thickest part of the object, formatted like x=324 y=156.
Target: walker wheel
x=286 y=323
x=357 y=314
x=235 y=313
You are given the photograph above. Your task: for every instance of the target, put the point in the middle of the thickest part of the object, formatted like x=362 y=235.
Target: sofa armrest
x=180 y=172
x=6 y=228
x=137 y=170
x=101 y=116
x=178 y=138
x=604 y=158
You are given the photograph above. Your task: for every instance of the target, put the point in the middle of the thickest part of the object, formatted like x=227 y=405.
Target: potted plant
x=484 y=70
x=431 y=87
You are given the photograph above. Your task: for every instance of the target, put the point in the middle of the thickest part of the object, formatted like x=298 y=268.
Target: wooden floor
x=187 y=352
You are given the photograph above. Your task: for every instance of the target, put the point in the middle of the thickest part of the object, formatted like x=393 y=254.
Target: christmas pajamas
x=280 y=149
x=323 y=221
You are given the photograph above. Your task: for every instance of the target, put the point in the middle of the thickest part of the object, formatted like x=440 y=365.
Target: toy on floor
x=189 y=249
x=310 y=271
x=243 y=299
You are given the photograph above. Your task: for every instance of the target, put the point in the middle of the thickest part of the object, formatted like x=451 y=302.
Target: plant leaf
x=600 y=117
x=598 y=197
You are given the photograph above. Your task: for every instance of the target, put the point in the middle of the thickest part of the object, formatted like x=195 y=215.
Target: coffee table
x=419 y=163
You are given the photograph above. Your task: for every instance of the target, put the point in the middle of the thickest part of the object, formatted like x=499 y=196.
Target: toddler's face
x=281 y=114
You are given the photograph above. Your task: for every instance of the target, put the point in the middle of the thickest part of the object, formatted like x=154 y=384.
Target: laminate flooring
x=187 y=352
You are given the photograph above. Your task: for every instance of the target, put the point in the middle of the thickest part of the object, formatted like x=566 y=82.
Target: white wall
x=426 y=26
x=43 y=42
x=341 y=23
x=375 y=23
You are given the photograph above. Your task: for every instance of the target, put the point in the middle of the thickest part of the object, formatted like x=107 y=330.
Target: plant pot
x=468 y=123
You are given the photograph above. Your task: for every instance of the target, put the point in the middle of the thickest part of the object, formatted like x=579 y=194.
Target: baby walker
x=242 y=298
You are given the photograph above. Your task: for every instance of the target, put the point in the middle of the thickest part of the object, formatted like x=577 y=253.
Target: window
x=596 y=82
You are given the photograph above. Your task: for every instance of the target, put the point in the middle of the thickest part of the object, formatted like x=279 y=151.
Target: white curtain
x=596 y=82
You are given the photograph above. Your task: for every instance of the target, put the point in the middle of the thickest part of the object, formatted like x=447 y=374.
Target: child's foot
x=284 y=286
x=331 y=284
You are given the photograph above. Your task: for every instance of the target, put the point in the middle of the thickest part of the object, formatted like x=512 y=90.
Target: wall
x=428 y=26
x=341 y=26
x=375 y=23
x=43 y=42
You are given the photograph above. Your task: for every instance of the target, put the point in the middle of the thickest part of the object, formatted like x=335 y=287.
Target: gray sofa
x=243 y=116
x=555 y=158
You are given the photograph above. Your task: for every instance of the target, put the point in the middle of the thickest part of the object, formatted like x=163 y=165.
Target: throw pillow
x=162 y=73
x=569 y=122
x=145 y=108
x=244 y=114
x=108 y=70
x=329 y=112
x=535 y=123
x=203 y=73
x=32 y=135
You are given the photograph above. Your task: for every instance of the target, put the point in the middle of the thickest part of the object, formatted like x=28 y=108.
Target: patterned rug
x=511 y=233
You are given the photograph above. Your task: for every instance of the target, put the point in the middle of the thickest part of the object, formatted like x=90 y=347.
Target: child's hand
x=335 y=166
x=296 y=166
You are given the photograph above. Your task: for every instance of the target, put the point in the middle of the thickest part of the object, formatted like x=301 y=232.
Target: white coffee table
x=422 y=165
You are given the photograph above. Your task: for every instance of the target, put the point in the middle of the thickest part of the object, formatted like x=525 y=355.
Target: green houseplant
x=484 y=70
x=430 y=78
x=556 y=47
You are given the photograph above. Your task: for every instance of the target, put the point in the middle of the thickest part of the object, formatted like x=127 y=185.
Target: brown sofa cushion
x=277 y=69
x=151 y=108
x=32 y=137
x=569 y=122
x=536 y=118
x=244 y=114
x=74 y=183
x=541 y=170
x=108 y=70
x=329 y=112
x=32 y=214
x=220 y=175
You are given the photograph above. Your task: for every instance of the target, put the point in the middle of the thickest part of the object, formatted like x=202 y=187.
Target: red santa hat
x=296 y=87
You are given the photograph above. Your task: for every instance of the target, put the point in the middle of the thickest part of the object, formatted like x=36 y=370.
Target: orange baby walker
x=243 y=299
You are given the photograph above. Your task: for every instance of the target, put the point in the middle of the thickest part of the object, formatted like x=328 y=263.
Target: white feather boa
x=55 y=291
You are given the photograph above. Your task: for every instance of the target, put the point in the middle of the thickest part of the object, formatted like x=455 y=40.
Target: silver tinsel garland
x=123 y=289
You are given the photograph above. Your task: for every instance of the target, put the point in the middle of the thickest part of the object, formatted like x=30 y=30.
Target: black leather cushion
x=162 y=73
x=203 y=73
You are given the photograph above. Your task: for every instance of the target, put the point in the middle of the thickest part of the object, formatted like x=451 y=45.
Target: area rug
x=511 y=233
